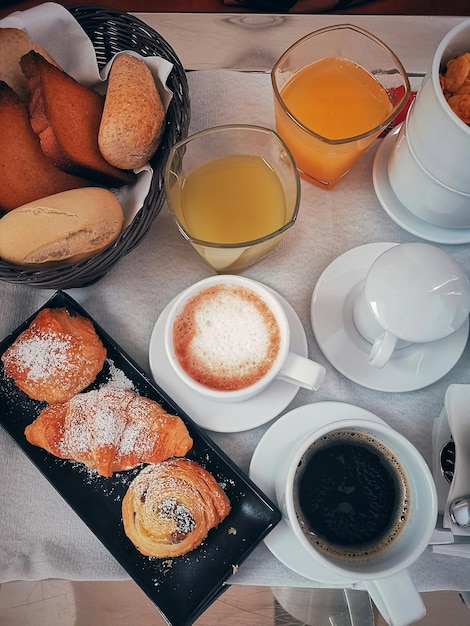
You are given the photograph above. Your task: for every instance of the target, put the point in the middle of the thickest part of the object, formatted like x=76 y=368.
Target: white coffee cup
x=413 y=293
x=383 y=565
x=440 y=140
x=227 y=337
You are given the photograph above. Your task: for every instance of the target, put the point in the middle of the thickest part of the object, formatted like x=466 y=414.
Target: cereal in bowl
x=455 y=83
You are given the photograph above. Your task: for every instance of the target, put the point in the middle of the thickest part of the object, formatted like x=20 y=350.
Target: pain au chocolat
x=170 y=508
x=109 y=429
x=56 y=357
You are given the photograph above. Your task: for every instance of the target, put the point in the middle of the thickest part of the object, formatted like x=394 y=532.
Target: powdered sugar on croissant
x=56 y=357
x=110 y=429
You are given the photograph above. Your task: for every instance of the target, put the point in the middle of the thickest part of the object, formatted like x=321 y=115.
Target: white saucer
x=229 y=417
x=398 y=211
x=331 y=314
x=274 y=444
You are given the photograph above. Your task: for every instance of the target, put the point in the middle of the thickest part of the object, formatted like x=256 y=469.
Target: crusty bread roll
x=14 y=43
x=69 y=226
x=133 y=114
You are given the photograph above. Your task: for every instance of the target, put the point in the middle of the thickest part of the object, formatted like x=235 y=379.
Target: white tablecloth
x=40 y=536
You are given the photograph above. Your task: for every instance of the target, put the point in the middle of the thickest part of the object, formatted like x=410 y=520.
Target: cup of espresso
x=362 y=501
x=414 y=293
x=227 y=337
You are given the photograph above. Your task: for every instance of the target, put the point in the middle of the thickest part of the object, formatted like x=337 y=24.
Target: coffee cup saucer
x=275 y=443
x=397 y=211
x=226 y=417
x=410 y=368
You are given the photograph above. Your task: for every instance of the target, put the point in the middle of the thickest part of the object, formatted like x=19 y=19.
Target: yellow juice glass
x=234 y=192
x=335 y=90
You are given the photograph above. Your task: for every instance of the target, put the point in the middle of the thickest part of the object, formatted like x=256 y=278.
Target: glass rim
x=250 y=242
x=364 y=135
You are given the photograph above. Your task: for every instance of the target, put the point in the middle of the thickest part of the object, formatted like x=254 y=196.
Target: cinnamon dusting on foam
x=226 y=337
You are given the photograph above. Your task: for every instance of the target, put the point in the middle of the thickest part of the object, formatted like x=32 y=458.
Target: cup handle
x=382 y=349
x=397 y=599
x=302 y=372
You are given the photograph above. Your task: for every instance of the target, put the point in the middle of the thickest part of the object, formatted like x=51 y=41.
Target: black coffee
x=352 y=495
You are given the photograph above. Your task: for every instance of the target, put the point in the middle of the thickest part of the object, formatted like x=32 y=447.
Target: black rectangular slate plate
x=181 y=588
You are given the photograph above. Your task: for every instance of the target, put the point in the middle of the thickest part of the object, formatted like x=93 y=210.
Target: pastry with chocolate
x=170 y=508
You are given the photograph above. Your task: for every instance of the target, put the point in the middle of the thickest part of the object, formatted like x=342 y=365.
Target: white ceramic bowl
x=440 y=140
x=420 y=192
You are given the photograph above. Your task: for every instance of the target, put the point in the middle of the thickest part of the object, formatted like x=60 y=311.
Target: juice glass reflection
x=335 y=90
x=234 y=191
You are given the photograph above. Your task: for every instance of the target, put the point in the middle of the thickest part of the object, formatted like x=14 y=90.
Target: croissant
x=109 y=429
x=56 y=357
x=170 y=507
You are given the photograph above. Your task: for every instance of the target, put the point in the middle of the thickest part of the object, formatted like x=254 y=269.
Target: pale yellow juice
x=232 y=199
x=338 y=100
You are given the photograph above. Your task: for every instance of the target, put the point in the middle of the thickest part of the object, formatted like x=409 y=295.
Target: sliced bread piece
x=25 y=172
x=15 y=43
x=66 y=117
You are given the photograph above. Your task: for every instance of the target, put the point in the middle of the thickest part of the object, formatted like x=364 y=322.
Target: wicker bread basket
x=111 y=31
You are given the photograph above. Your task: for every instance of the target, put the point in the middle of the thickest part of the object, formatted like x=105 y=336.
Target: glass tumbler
x=234 y=192
x=335 y=90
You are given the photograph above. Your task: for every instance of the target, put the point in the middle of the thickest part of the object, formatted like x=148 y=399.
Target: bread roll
x=133 y=115
x=65 y=226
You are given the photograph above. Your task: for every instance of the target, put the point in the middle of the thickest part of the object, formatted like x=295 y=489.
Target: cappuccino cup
x=413 y=293
x=362 y=502
x=227 y=337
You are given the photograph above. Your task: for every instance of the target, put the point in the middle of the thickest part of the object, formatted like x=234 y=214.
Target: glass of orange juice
x=335 y=90
x=234 y=192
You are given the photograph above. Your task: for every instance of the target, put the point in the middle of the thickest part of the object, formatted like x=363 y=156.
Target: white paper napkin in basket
x=457 y=412
x=58 y=32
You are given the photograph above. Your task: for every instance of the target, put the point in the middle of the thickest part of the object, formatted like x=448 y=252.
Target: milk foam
x=226 y=337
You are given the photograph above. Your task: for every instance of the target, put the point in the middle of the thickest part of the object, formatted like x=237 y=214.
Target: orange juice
x=338 y=100
x=231 y=199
